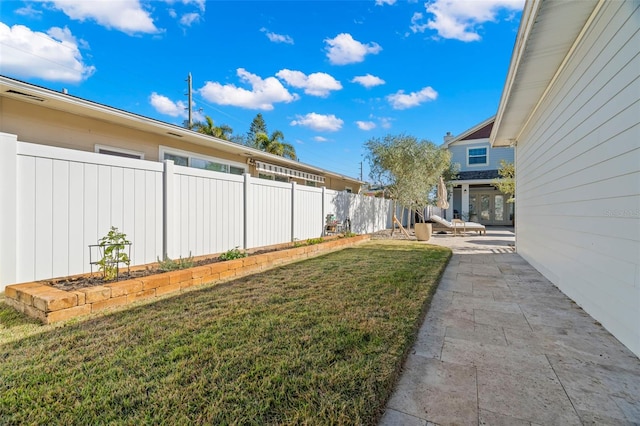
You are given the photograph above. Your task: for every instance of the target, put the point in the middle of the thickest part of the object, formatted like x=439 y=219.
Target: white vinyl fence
x=55 y=202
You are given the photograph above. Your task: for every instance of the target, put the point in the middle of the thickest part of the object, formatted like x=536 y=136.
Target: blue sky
x=329 y=74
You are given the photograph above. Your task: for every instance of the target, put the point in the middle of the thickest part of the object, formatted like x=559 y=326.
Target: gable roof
x=479 y=131
x=60 y=101
x=549 y=32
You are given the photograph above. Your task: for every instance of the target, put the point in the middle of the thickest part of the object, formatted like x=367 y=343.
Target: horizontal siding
x=578 y=176
x=459 y=155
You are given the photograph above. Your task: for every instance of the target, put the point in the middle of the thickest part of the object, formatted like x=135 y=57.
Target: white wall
x=208 y=209
x=578 y=176
x=67 y=200
x=55 y=202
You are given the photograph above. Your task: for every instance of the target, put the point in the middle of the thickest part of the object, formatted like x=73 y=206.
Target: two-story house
x=474 y=197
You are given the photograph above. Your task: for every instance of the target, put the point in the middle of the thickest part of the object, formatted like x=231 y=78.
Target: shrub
x=169 y=264
x=234 y=253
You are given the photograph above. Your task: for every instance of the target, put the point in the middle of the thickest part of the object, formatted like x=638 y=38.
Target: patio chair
x=457 y=226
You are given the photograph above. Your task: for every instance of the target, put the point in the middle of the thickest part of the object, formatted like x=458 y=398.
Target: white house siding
x=578 y=184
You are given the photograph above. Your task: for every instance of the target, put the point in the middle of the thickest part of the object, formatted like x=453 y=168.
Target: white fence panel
x=370 y=215
x=208 y=212
x=307 y=213
x=366 y=214
x=269 y=212
x=67 y=200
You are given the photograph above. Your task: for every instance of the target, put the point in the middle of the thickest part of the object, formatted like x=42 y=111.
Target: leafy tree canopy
x=257 y=127
x=408 y=168
x=506 y=183
x=208 y=127
x=275 y=144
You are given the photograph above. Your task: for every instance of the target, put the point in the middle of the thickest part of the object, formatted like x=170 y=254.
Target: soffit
x=547 y=41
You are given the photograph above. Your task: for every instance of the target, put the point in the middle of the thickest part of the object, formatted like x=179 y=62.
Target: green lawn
x=315 y=342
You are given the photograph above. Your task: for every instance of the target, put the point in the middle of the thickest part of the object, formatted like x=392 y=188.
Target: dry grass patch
x=316 y=342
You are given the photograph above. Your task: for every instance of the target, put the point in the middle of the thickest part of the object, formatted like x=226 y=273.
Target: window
x=477 y=157
x=310 y=183
x=269 y=176
x=177 y=159
x=119 y=152
x=348 y=189
x=197 y=161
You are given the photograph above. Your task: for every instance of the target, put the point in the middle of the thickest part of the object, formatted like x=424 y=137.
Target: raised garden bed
x=42 y=300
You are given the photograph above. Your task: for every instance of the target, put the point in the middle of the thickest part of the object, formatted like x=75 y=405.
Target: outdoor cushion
x=459 y=226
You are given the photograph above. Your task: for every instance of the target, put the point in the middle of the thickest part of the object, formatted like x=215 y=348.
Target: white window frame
x=190 y=155
x=348 y=189
x=138 y=155
x=486 y=163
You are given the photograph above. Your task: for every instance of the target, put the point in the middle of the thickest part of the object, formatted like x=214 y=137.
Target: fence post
x=246 y=208
x=8 y=209
x=324 y=210
x=294 y=188
x=168 y=241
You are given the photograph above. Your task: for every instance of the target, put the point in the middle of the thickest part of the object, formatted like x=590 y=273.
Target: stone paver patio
x=501 y=345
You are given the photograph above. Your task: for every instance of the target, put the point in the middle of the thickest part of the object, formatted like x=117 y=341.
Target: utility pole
x=361 y=171
x=190 y=101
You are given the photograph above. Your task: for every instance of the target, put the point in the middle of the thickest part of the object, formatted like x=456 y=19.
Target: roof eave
x=139 y=122
x=531 y=8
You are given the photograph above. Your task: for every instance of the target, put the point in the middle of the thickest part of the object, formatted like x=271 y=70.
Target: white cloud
x=263 y=94
x=277 y=38
x=383 y=2
x=400 y=100
x=316 y=84
x=366 y=125
x=460 y=20
x=166 y=106
x=127 y=16
x=189 y=18
x=28 y=10
x=416 y=23
x=320 y=139
x=385 y=122
x=199 y=3
x=54 y=56
x=343 y=49
x=319 y=122
x=368 y=80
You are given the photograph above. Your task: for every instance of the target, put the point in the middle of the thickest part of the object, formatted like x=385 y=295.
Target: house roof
x=48 y=98
x=479 y=131
x=549 y=32
x=478 y=175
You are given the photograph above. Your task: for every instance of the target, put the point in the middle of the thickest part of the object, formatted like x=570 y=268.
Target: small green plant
x=234 y=253
x=113 y=254
x=169 y=264
x=312 y=241
x=349 y=234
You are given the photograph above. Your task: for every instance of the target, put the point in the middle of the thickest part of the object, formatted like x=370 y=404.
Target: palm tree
x=209 y=128
x=275 y=144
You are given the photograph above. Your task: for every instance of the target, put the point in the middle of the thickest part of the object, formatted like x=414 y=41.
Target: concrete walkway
x=501 y=345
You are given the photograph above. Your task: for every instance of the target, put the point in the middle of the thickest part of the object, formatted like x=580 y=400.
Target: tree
x=257 y=127
x=207 y=127
x=409 y=169
x=258 y=137
x=506 y=183
x=275 y=144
